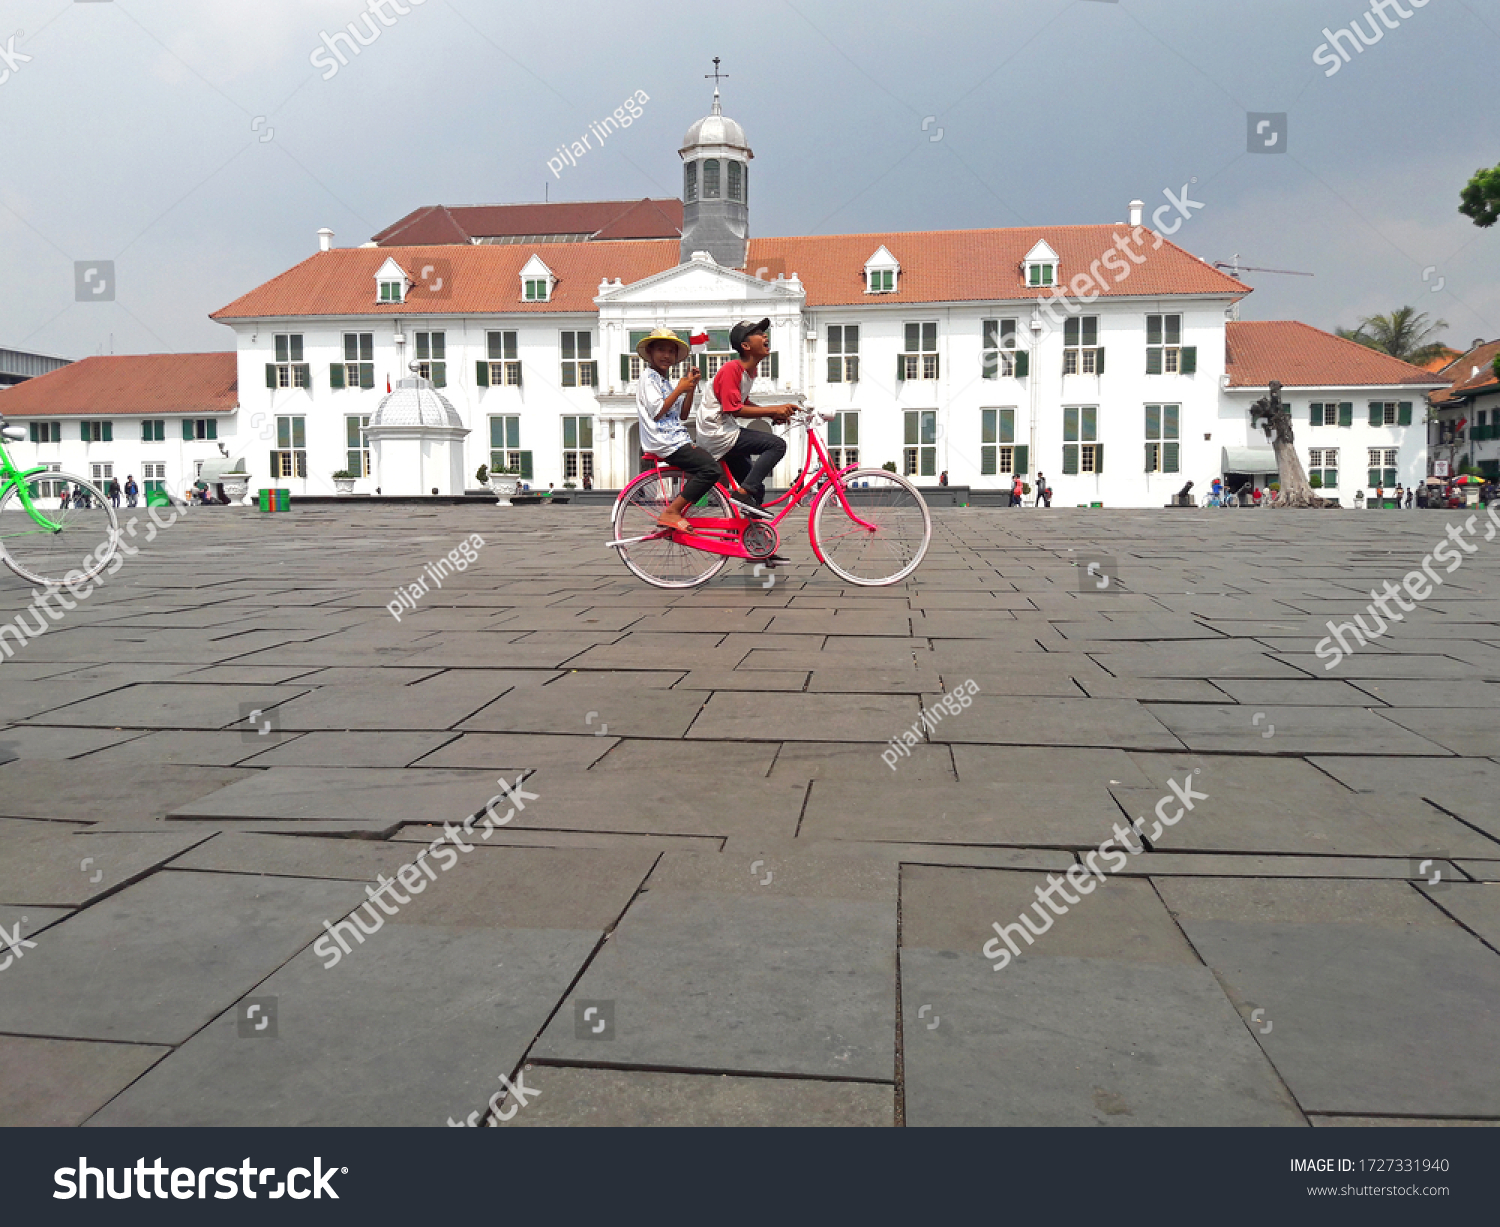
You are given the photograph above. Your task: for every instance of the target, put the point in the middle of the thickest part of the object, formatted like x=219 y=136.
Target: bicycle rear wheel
x=889 y=538
x=660 y=560
x=80 y=540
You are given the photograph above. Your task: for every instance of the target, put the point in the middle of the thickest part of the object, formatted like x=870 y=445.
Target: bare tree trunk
x=1295 y=490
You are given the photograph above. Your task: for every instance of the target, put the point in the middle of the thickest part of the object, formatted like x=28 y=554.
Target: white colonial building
x=1102 y=356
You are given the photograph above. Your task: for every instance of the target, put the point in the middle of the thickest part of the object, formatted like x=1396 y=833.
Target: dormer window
x=536 y=281
x=391 y=283
x=882 y=273
x=1041 y=267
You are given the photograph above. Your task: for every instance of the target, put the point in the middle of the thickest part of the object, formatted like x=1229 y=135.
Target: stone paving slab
x=58 y=867
x=414 y=1037
x=497 y=751
x=299 y=857
x=90 y=790
x=1060 y=722
x=1108 y=1019
x=804 y=717
x=616 y=1098
x=377 y=796
x=1475 y=906
x=32 y=742
x=711 y=969
x=1379 y=1003
x=343 y=749
x=115 y=971
x=1297 y=730
x=63 y=1082
x=172 y=705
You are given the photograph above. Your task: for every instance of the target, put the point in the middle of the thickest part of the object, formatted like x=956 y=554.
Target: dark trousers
x=754 y=454
x=702 y=469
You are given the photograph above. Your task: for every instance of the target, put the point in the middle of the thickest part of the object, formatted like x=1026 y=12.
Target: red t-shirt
x=717 y=431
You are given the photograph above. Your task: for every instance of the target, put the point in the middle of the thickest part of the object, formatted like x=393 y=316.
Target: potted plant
x=504 y=483
x=482 y=475
x=570 y=485
x=343 y=481
x=889 y=466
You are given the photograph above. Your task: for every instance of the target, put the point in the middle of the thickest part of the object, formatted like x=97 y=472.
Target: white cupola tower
x=716 y=188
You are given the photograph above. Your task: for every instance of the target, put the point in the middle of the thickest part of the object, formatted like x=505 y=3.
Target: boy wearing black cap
x=749 y=455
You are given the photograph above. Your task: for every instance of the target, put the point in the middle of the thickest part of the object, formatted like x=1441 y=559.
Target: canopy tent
x=1249 y=460
x=214 y=471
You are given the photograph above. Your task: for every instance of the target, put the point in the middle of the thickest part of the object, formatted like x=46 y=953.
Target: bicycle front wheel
x=881 y=537
x=75 y=540
x=660 y=560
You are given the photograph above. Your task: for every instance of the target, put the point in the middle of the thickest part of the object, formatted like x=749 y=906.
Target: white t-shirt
x=670 y=434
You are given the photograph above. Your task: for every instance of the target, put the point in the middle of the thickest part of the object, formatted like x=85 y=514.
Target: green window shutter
x=1169 y=416
x=1169 y=457
x=439 y=374
x=270 y=374
x=213 y=429
x=910 y=436
x=987 y=461
x=775 y=365
x=482 y=374
x=1346 y=413
x=1315 y=414
x=1150 y=465
x=1153 y=421
x=835 y=370
x=1330 y=477
x=1098 y=458
x=1070 y=459
x=109 y=432
x=1088 y=424
x=1377 y=413
x=519 y=371
x=1374 y=476
x=526 y=473
x=624 y=369
x=367 y=374
x=513 y=433
x=335 y=375
x=1023 y=364
x=299 y=432
x=1187 y=360
x=1022 y=459
x=1403 y=413
x=900 y=368
x=1070 y=425
x=1153 y=331
x=272 y=470
x=1153 y=362
x=1007 y=426
x=1390 y=478
x=187 y=430
x=1099 y=361
x=306 y=370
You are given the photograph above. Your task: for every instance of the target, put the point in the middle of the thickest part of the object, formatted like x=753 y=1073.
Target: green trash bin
x=158 y=498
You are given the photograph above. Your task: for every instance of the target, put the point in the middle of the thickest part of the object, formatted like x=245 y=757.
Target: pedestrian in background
x=132 y=491
x=1017 y=491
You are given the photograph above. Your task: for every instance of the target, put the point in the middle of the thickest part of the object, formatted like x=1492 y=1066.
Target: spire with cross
x=717 y=76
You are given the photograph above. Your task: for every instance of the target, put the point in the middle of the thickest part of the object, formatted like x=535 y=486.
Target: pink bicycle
x=868 y=526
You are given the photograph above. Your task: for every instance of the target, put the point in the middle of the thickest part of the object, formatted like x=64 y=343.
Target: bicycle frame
x=716 y=535
x=11 y=476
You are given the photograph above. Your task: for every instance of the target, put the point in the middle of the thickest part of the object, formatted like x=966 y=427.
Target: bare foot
x=676 y=522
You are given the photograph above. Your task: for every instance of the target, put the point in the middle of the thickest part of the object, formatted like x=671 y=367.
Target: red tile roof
x=128 y=384
x=936 y=266
x=602 y=219
x=981 y=265
x=1466 y=381
x=1301 y=356
x=477 y=279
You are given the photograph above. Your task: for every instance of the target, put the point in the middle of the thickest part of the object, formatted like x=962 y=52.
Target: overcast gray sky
x=197 y=146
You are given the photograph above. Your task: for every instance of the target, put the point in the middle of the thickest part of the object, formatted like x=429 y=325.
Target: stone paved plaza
x=718 y=903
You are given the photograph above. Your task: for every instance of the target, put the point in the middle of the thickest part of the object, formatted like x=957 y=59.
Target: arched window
x=736 y=179
x=711 y=179
x=690 y=183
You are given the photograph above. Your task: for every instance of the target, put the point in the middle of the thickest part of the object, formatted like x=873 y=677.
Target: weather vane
x=716 y=74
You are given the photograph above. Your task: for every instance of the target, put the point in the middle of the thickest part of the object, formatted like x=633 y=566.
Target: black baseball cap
x=744 y=329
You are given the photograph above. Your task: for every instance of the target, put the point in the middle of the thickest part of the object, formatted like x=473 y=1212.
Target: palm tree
x=1405 y=333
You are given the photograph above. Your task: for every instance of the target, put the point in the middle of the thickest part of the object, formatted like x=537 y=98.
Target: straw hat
x=662 y=334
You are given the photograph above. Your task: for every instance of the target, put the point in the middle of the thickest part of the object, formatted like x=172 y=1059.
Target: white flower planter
x=344 y=485
x=235 y=488
x=504 y=487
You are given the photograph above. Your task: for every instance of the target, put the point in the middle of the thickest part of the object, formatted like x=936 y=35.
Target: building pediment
x=701 y=280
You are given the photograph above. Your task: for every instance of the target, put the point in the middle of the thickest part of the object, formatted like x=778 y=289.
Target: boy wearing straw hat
x=663 y=408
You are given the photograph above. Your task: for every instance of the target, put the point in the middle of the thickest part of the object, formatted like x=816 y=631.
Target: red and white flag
x=698 y=340
x=387 y=383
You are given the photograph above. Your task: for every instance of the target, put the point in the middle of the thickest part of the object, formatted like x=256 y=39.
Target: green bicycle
x=71 y=543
